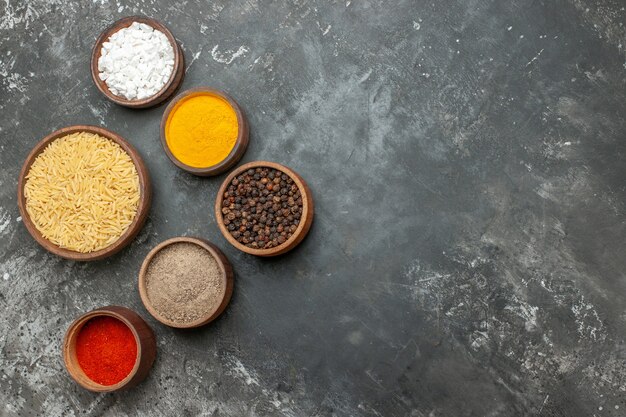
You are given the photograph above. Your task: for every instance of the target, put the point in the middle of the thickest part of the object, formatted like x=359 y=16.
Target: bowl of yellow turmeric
x=204 y=131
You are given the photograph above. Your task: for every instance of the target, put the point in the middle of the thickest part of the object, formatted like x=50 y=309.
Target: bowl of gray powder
x=185 y=282
x=136 y=62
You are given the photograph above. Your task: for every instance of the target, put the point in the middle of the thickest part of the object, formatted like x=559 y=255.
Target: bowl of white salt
x=136 y=62
x=185 y=282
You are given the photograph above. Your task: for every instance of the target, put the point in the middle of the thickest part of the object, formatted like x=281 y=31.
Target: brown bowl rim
x=227 y=280
x=241 y=144
x=78 y=323
x=170 y=86
x=308 y=210
x=143 y=207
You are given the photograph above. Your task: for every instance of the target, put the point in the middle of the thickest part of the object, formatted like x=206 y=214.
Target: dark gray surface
x=467 y=256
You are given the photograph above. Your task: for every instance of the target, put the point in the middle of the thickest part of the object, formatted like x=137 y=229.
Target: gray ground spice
x=184 y=282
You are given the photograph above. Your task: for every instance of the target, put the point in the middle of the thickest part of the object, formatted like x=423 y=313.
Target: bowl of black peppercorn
x=264 y=208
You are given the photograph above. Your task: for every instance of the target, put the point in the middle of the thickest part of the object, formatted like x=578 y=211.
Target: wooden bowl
x=240 y=145
x=142 y=209
x=168 y=89
x=227 y=276
x=305 y=222
x=146 y=348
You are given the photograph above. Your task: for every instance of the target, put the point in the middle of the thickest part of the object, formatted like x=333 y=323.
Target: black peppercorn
x=262 y=208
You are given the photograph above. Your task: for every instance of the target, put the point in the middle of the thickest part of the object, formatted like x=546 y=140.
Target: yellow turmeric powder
x=201 y=130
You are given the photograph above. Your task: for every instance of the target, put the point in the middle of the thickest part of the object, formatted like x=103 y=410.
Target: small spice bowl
x=142 y=209
x=226 y=282
x=170 y=86
x=306 y=218
x=241 y=142
x=144 y=337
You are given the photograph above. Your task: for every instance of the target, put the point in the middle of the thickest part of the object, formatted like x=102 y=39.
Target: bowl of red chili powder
x=109 y=349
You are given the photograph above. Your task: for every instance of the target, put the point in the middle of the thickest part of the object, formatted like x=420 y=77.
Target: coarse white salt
x=136 y=62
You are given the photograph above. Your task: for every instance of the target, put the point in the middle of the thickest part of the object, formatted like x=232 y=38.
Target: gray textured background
x=467 y=257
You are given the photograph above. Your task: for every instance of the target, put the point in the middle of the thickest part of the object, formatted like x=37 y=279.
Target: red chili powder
x=106 y=350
